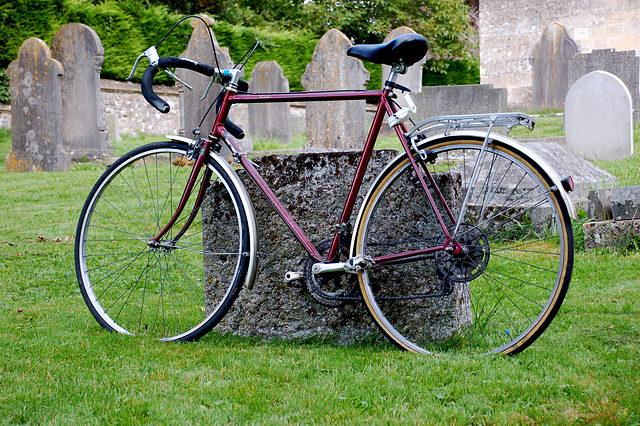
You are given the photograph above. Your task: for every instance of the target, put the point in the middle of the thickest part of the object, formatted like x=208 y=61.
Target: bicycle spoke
x=170 y=290
x=513 y=258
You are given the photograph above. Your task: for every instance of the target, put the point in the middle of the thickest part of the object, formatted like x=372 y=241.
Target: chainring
x=331 y=289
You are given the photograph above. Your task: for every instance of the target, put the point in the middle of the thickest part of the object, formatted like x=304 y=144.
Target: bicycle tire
x=504 y=289
x=176 y=291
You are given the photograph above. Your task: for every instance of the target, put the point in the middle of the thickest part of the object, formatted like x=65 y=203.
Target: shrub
x=456 y=72
x=5 y=97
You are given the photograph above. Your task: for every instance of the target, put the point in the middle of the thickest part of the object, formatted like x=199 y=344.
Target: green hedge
x=128 y=27
x=457 y=72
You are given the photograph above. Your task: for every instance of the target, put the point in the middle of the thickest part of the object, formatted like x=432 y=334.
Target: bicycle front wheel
x=178 y=289
x=501 y=291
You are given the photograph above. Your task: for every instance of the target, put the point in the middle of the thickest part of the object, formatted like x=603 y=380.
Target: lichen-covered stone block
x=313 y=187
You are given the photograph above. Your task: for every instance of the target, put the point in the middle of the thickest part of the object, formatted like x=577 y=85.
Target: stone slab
x=192 y=110
x=614 y=203
x=551 y=58
x=80 y=51
x=617 y=235
x=272 y=120
x=313 y=187
x=586 y=175
x=336 y=124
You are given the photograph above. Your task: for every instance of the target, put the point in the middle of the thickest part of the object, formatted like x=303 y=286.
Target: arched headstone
x=625 y=65
x=192 y=110
x=413 y=78
x=271 y=120
x=84 y=124
x=551 y=66
x=336 y=124
x=598 y=117
x=36 y=104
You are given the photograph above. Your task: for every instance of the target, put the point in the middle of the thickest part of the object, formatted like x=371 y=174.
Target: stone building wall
x=510 y=30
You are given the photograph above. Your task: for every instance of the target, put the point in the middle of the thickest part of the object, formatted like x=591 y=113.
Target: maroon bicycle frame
x=385 y=106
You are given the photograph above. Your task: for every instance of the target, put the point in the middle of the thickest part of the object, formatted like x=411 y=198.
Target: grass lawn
x=58 y=366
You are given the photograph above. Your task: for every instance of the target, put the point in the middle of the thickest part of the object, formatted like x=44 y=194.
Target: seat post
x=393 y=76
x=398 y=68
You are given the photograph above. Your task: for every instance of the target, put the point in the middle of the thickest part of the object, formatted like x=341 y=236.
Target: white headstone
x=598 y=117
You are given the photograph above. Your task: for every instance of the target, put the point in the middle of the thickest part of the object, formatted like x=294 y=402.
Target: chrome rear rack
x=448 y=123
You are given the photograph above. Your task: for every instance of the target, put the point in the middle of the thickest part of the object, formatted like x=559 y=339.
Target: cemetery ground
x=58 y=366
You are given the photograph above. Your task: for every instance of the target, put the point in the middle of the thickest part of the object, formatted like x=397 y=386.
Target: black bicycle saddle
x=406 y=49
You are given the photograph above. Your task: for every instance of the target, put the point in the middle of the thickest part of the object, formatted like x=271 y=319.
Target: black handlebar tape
x=172 y=61
x=148 y=93
x=200 y=67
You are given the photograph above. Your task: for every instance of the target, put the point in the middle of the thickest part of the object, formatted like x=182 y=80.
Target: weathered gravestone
x=551 y=58
x=336 y=124
x=84 y=130
x=598 y=117
x=272 y=120
x=413 y=78
x=36 y=104
x=313 y=187
x=624 y=65
x=192 y=110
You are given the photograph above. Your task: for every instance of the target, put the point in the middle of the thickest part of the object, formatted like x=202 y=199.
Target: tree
x=445 y=23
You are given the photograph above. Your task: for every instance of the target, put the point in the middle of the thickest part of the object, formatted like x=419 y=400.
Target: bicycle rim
x=181 y=289
x=503 y=290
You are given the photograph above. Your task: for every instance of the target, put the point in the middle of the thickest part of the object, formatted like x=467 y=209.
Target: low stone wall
x=464 y=99
x=5 y=116
x=124 y=101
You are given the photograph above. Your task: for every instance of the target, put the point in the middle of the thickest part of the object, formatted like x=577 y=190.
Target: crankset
x=331 y=289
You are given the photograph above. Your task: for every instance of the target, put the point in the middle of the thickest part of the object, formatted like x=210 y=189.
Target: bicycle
x=463 y=242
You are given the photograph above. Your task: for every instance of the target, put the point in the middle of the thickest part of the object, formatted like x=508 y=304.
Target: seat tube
x=383 y=105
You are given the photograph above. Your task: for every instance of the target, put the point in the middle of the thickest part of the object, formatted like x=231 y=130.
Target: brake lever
x=175 y=77
x=206 y=92
x=152 y=54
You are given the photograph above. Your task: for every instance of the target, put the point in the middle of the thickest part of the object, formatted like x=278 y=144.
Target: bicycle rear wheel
x=506 y=285
x=177 y=290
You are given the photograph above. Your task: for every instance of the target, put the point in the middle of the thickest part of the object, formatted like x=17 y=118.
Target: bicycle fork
x=155 y=242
